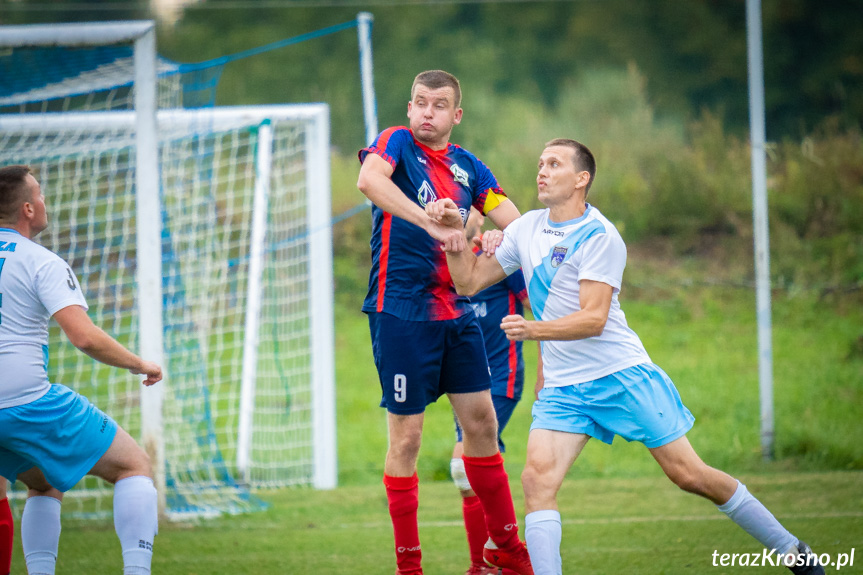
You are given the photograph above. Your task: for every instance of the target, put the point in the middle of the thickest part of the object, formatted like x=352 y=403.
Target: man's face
x=557 y=178
x=432 y=115
x=39 y=218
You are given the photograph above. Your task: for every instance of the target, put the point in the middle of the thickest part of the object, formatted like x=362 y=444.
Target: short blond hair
x=435 y=79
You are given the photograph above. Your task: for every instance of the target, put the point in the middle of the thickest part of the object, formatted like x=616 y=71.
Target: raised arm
x=589 y=321
x=469 y=273
x=503 y=214
x=375 y=182
x=89 y=338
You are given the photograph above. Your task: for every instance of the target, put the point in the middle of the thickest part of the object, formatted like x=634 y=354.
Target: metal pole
x=370 y=113
x=148 y=232
x=760 y=222
x=318 y=191
x=248 y=379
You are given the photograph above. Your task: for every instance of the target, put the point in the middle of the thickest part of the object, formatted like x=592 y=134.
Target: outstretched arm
x=469 y=273
x=589 y=321
x=89 y=338
x=375 y=181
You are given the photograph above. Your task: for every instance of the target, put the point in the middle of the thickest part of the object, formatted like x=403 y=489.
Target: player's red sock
x=403 y=499
x=6 y=531
x=474 y=524
x=489 y=481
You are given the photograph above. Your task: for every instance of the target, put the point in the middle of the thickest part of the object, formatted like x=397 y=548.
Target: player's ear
x=457 y=118
x=583 y=179
x=410 y=103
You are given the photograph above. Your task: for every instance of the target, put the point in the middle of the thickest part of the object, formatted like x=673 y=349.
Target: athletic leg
x=402 y=485
x=40 y=523
x=136 y=520
x=550 y=454
x=488 y=479
x=484 y=465
x=474 y=518
x=683 y=466
x=6 y=531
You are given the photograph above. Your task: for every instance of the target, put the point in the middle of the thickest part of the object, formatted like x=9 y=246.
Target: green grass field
x=634 y=526
x=620 y=514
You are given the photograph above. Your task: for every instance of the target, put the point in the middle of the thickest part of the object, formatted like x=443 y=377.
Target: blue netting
x=33 y=76
x=24 y=70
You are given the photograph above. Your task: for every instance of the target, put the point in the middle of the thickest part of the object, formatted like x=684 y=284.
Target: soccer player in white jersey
x=50 y=436
x=599 y=380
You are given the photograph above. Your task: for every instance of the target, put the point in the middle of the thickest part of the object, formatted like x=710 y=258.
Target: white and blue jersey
x=35 y=284
x=41 y=425
x=603 y=385
x=554 y=258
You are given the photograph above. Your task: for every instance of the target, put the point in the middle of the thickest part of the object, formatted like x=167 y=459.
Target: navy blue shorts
x=503 y=408
x=418 y=361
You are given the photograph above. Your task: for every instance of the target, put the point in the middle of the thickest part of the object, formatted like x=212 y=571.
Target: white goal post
x=202 y=241
x=244 y=274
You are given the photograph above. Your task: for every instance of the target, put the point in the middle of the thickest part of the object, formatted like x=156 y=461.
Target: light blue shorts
x=61 y=433
x=639 y=403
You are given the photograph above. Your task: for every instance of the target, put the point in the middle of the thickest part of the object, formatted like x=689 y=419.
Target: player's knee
x=532 y=479
x=135 y=463
x=143 y=466
x=404 y=448
x=46 y=492
x=688 y=480
x=459 y=476
x=481 y=428
x=540 y=489
x=38 y=485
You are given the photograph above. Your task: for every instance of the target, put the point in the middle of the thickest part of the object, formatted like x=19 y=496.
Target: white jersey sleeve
x=603 y=259
x=57 y=286
x=507 y=252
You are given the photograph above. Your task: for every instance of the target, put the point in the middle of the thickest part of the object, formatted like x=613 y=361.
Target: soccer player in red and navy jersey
x=426 y=340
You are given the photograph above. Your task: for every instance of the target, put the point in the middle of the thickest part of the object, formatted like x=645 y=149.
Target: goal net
x=241 y=305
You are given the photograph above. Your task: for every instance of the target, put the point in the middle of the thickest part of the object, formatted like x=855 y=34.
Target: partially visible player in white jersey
x=599 y=380
x=50 y=436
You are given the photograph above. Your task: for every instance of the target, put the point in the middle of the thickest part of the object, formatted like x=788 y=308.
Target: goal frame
x=145 y=119
x=142 y=35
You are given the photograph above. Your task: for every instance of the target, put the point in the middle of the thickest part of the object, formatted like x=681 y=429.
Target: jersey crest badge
x=426 y=194
x=458 y=174
x=558 y=255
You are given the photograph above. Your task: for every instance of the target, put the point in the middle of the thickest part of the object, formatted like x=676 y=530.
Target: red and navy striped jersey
x=505 y=358
x=409 y=277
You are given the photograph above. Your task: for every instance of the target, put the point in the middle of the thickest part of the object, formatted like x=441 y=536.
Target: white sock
x=756 y=520
x=136 y=521
x=40 y=534
x=543 y=531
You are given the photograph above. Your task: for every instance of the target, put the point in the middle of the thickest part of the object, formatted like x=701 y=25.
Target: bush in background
x=689 y=185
